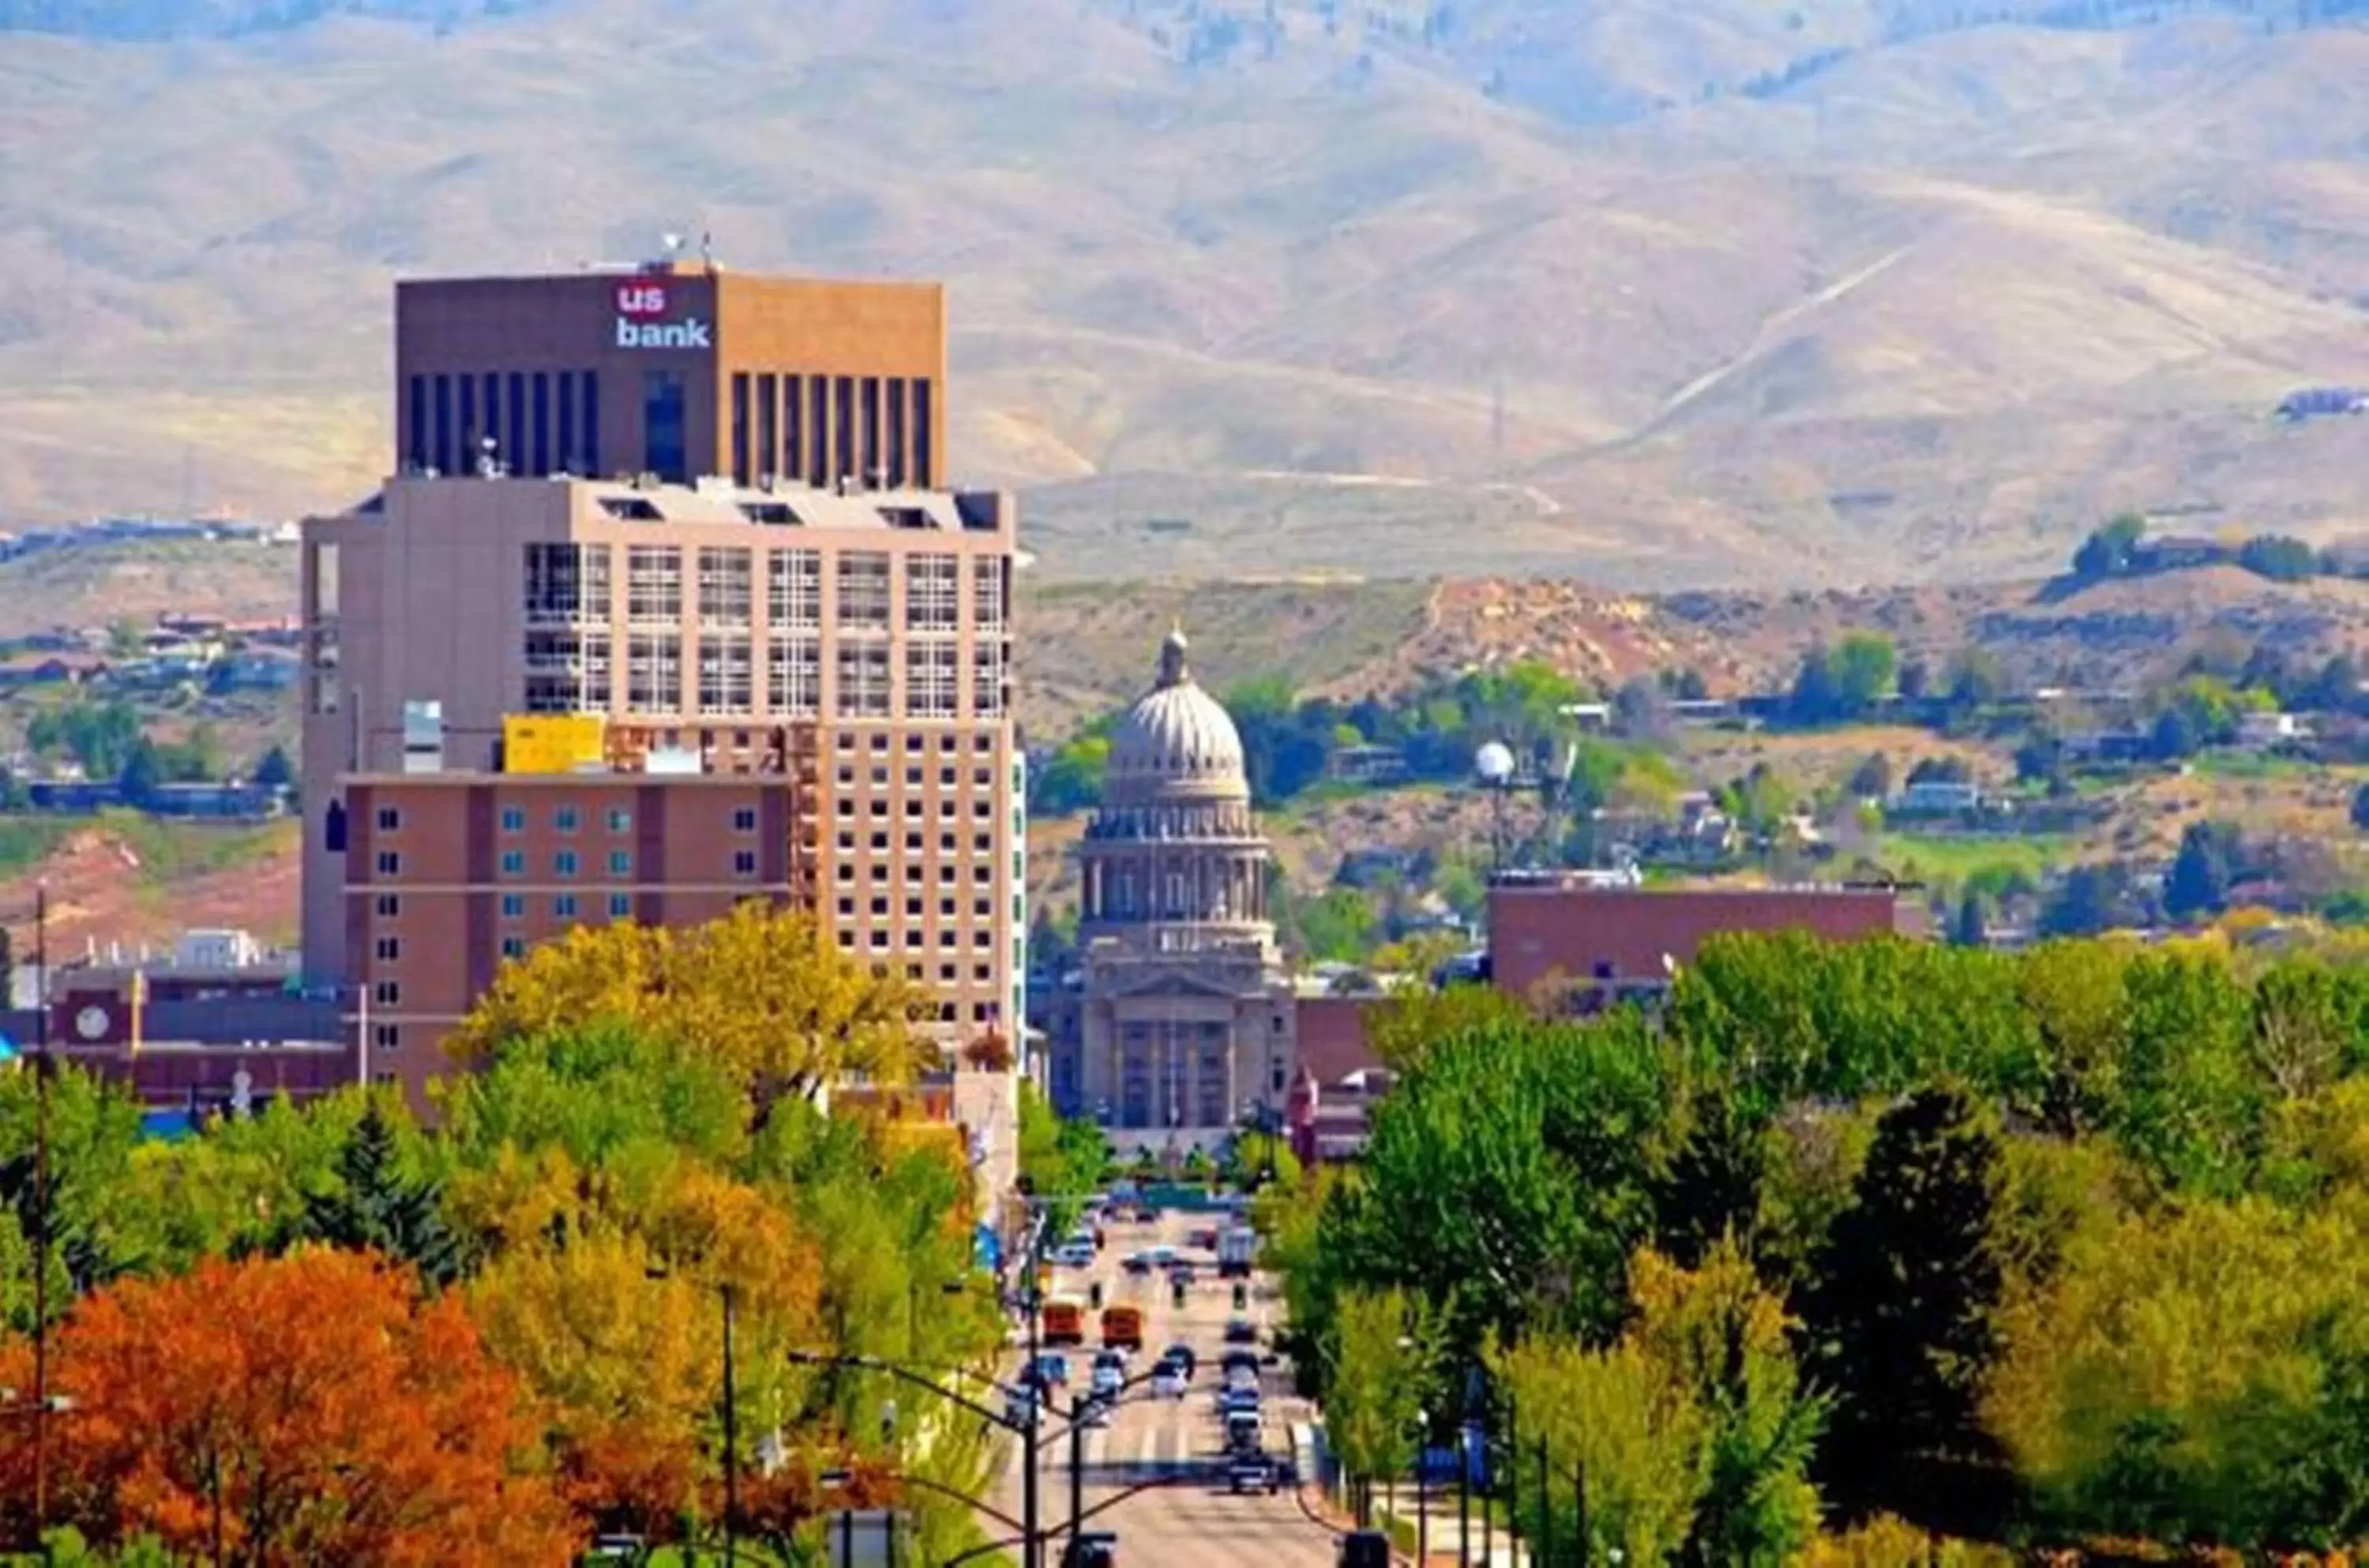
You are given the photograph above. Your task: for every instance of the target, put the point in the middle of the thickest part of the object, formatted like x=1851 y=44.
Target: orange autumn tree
x=313 y=1408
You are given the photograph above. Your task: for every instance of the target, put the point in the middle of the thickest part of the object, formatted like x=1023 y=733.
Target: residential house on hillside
x=2261 y=731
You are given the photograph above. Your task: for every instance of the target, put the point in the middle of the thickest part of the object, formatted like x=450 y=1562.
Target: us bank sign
x=641 y=304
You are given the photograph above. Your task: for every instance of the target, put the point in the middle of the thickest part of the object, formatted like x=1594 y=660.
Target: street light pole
x=731 y=1437
x=42 y=1073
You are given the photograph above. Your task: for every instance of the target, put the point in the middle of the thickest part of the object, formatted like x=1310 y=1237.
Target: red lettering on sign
x=639 y=301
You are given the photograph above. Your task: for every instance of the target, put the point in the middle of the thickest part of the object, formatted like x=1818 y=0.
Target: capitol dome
x=1177 y=742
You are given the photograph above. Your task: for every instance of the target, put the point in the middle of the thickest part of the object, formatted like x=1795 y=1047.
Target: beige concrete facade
x=841 y=661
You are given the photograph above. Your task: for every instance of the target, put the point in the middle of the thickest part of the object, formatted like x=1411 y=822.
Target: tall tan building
x=771 y=691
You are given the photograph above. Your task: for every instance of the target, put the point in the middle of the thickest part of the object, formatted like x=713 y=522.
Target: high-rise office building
x=675 y=372
x=535 y=703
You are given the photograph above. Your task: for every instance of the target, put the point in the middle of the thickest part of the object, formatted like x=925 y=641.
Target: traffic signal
x=1177 y=1292
x=1241 y=1296
x=1095 y=1295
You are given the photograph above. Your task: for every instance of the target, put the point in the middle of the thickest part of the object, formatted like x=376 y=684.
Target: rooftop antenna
x=707 y=250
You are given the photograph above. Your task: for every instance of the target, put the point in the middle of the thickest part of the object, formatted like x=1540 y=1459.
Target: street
x=1189 y=1518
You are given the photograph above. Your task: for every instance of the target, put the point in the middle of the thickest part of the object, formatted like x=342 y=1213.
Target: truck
x=1123 y=1327
x=1237 y=1250
x=1065 y=1320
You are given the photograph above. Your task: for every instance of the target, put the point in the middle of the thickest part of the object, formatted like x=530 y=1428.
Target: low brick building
x=1571 y=938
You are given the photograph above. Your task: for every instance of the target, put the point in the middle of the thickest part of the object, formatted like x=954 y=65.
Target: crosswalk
x=1123 y=1456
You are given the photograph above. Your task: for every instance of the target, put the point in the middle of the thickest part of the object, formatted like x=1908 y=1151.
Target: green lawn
x=1957 y=856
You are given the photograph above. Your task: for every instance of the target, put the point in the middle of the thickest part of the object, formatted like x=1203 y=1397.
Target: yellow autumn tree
x=763 y=991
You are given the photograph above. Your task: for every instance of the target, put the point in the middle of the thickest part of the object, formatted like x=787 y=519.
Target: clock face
x=91 y=1022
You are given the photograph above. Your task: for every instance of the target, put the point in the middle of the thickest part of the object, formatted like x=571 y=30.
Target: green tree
x=273 y=770
x=1969 y=930
x=1899 y=1320
x=126 y=637
x=1871 y=780
x=2279 y=558
x=1711 y=1190
x=2199 y=882
x=143 y=772
x=1864 y=668
x=1381 y=1356
x=1072 y=779
x=376 y=1207
x=2108 y=551
x=1510 y=1166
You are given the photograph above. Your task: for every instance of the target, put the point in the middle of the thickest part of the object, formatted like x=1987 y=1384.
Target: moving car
x=1096 y=1412
x=1099 y=1548
x=1364 y=1549
x=1052 y=1370
x=1185 y=1357
x=1244 y=1433
x=1076 y=1255
x=1168 y=1382
x=1179 y=1273
x=1252 y=1473
x=1206 y=1239
x=1108 y=1380
x=1240 y=1331
x=1237 y=1401
x=1239 y=1359
x=1237 y=1251
x=1137 y=1262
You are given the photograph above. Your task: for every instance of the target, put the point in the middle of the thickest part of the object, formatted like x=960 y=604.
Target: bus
x=1065 y=1320
x=1123 y=1327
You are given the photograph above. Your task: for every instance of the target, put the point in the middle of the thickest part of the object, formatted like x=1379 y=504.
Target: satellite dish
x=1494 y=763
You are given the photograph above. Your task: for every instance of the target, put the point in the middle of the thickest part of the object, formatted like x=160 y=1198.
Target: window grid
x=864 y=681
x=794 y=676
x=654 y=675
x=988 y=681
x=930 y=680
x=654 y=584
x=567 y=584
x=863 y=592
x=932 y=593
x=988 y=593
x=725 y=675
x=794 y=590
x=723 y=587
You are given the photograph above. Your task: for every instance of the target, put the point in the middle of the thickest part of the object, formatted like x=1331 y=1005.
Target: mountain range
x=1737 y=294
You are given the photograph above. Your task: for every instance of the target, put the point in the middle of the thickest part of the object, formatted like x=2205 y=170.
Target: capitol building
x=1177 y=1022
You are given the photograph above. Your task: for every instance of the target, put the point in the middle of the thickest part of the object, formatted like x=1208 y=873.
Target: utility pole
x=1032 y=1551
x=43 y=1071
x=1077 y=1474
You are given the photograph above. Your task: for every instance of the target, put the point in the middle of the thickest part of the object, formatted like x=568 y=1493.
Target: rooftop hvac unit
x=423 y=736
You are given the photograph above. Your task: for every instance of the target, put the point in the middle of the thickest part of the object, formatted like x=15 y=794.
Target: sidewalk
x=1437 y=1510
x=1308 y=1448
